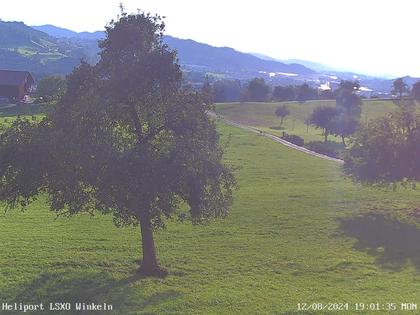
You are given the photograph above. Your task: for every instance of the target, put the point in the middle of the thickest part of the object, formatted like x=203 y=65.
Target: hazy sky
x=367 y=36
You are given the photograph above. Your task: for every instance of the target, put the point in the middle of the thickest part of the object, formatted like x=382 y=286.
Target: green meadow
x=261 y=116
x=31 y=112
x=298 y=232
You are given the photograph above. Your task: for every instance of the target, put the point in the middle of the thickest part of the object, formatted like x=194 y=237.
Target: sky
x=375 y=37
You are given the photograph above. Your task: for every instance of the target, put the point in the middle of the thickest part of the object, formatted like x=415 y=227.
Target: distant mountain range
x=227 y=60
x=198 y=56
x=60 y=32
x=47 y=49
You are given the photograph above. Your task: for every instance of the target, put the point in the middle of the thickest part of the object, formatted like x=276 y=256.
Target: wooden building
x=15 y=84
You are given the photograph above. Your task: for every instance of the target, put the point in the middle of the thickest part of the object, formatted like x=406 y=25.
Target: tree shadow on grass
x=125 y=295
x=394 y=244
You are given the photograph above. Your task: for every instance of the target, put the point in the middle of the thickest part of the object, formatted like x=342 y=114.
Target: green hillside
x=292 y=237
x=17 y=34
x=24 y=48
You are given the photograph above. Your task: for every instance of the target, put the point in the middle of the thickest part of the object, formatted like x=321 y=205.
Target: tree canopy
x=399 y=88
x=323 y=117
x=344 y=125
x=51 y=88
x=348 y=109
x=387 y=150
x=304 y=93
x=415 y=91
x=227 y=91
x=284 y=93
x=257 y=90
x=347 y=100
x=125 y=139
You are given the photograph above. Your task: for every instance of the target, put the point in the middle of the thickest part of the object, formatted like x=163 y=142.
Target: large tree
x=387 y=150
x=125 y=140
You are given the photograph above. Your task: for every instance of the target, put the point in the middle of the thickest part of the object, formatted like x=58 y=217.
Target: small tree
x=282 y=112
x=124 y=139
x=323 y=117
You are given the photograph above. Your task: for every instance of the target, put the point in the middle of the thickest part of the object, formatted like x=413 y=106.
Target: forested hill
x=17 y=34
x=24 y=48
x=224 y=59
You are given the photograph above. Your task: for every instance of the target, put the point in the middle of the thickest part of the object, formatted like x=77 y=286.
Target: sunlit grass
x=286 y=241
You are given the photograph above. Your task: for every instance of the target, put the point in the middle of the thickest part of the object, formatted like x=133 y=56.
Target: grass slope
x=291 y=238
x=261 y=115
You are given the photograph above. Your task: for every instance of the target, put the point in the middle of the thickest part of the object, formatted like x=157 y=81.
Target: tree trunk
x=149 y=265
x=343 y=140
x=325 y=136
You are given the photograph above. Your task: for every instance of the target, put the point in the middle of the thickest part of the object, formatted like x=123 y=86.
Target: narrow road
x=275 y=138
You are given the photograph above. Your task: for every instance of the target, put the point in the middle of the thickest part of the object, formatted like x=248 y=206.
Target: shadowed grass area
x=283 y=243
x=393 y=243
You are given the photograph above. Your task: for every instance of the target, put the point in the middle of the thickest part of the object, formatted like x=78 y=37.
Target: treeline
x=257 y=90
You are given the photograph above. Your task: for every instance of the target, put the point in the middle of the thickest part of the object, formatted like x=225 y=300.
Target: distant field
x=32 y=112
x=261 y=116
x=298 y=232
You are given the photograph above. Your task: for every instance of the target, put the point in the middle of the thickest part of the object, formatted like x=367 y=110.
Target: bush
x=332 y=149
x=293 y=139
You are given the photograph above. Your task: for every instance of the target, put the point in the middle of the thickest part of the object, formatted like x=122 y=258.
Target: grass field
x=31 y=112
x=298 y=233
x=261 y=116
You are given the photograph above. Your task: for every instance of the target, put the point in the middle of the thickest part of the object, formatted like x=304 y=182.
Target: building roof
x=15 y=78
